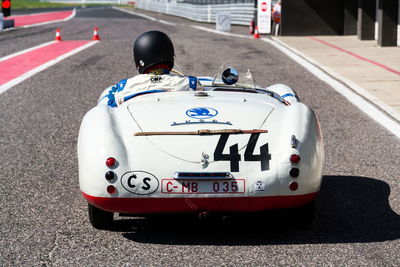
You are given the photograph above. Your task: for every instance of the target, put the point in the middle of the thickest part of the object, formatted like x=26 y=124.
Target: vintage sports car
x=231 y=147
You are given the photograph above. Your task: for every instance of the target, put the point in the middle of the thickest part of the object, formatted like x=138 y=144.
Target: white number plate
x=172 y=186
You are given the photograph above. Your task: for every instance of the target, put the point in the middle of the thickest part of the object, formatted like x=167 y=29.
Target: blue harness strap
x=192 y=83
x=288 y=94
x=121 y=85
x=116 y=88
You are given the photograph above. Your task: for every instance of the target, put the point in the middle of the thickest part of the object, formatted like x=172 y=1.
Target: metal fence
x=123 y=2
x=216 y=2
x=82 y=2
x=241 y=13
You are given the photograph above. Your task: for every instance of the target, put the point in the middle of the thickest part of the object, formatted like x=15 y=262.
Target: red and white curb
x=24 y=64
x=38 y=19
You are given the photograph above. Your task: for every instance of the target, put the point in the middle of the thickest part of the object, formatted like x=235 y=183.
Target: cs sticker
x=140 y=182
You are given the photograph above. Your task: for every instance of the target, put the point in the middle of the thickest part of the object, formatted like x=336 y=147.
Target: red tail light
x=111 y=189
x=295 y=159
x=293 y=186
x=110 y=162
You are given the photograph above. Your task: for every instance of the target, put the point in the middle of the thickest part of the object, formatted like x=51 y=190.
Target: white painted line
x=71 y=16
x=144 y=16
x=326 y=75
x=166 y=22
x=26 y=50
x=42 y=67
x=219 y=32
x=321 y=72
x=391 y=111
x=134 y=13
x=364 y=105
x=43 y=23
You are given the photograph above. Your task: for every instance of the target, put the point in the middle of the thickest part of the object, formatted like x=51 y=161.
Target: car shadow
x=349 y=209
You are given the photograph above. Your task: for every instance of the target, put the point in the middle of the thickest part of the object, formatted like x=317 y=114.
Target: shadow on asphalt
x=349 y=209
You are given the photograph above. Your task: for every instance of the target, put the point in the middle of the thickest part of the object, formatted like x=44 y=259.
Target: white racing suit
x=144 y=84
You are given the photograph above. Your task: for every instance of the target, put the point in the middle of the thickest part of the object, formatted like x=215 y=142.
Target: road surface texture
x=44 y=218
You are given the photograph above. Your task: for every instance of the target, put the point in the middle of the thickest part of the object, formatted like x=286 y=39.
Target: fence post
x=209 y=13
x=1 y=22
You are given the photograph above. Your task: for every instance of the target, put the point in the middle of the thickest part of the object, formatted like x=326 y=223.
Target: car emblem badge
x=204 y=160
x=259 y=186
x=201 y=113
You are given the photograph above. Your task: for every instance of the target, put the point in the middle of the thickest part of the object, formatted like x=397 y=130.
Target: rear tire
x=100 y=219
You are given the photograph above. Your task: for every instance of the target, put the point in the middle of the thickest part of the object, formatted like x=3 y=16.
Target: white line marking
x=134 y=13
x=166 y=22
x=26 y=50
x=391 y=111
x=43 y=23
x=332 y=79
x=71 y=16
x=44 y=66
x=144 y=16
x=218 y=32
x=370 y=109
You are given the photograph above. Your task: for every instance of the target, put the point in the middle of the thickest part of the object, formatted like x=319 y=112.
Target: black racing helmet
x=153 y=48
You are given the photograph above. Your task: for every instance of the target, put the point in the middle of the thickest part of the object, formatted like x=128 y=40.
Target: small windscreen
x=237 y=90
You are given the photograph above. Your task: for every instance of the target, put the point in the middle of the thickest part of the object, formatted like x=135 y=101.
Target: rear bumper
x=183 y=205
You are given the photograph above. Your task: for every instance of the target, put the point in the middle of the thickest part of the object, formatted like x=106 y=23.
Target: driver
x=154 y=56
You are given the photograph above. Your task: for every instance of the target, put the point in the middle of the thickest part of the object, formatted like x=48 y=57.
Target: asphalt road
x=44 y=219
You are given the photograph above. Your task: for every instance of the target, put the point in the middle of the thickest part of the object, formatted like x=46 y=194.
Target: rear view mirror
x=230 y=76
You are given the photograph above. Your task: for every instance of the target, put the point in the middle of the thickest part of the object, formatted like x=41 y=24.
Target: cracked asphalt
x=44 y=220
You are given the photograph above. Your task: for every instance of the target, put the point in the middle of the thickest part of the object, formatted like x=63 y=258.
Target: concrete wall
x=350 y=17
x=388 y=22
x=366 y=21
x=312 y=17
x=343 y=17
x=376 y=20
x=398 y=24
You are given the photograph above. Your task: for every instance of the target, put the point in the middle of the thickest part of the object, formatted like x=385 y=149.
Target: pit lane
x=44 y=217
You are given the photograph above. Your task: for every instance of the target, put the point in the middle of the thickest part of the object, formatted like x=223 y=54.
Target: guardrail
x=241 y=13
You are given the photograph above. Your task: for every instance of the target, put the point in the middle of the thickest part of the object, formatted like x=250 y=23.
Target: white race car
x=232 y=147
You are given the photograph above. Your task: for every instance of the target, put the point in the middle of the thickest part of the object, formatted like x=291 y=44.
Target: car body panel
x=147 y=165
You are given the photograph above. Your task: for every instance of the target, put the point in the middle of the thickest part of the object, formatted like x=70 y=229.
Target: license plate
x=172 y=186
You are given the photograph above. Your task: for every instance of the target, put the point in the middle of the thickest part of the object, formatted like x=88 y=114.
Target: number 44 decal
x=234 y=157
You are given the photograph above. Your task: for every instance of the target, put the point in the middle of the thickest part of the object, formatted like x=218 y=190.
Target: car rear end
x=189 y=152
